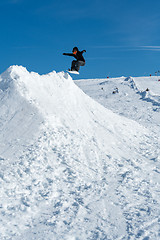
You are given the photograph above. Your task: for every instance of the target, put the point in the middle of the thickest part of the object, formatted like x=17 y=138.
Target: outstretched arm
x=83 y=51
x=68 y=54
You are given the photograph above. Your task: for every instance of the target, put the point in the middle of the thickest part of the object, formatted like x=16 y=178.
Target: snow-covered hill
x=128 y=97
x=71 y=168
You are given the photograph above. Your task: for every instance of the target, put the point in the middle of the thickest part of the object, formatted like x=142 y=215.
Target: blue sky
x=121 y=37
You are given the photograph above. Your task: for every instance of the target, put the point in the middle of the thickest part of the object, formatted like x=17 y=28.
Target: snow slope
x=128 y=97
x=69 y=167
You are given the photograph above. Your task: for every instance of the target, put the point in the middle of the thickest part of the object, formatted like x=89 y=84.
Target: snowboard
x=74 y=72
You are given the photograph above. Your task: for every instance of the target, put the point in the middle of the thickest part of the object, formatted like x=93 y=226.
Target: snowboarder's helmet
x=75 y=49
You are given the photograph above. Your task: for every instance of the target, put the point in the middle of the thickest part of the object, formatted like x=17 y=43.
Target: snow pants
x=76 y=65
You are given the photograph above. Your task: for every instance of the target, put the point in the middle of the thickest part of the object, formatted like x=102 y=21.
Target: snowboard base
x=74 y=72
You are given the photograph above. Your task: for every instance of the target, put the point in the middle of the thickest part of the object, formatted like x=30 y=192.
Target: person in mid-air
x=80 y=61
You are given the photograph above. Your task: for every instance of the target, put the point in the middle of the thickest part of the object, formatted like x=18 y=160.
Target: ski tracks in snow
x=58 y=191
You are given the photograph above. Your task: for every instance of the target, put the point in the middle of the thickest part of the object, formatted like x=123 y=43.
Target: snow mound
x=70 y=168
x=55 y=98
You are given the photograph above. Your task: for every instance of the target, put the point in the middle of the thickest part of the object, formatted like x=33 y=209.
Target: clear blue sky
x=121 y=37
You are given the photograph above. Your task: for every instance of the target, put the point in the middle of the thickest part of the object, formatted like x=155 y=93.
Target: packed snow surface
x=75 y=169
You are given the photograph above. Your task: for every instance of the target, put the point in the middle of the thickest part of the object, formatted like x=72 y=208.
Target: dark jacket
x=78 y=55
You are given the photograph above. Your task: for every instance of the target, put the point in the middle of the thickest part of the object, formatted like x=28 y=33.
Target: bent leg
x=77 y=65
x=73 y=67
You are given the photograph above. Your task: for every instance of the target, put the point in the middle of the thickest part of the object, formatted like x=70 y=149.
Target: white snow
x=72 y=168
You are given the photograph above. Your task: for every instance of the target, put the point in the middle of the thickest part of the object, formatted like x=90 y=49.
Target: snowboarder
x=80 y=61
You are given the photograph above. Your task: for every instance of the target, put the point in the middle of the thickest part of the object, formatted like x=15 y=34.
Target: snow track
x=75 y=170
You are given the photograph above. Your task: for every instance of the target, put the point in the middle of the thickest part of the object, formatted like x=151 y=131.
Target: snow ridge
x=145 y=94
